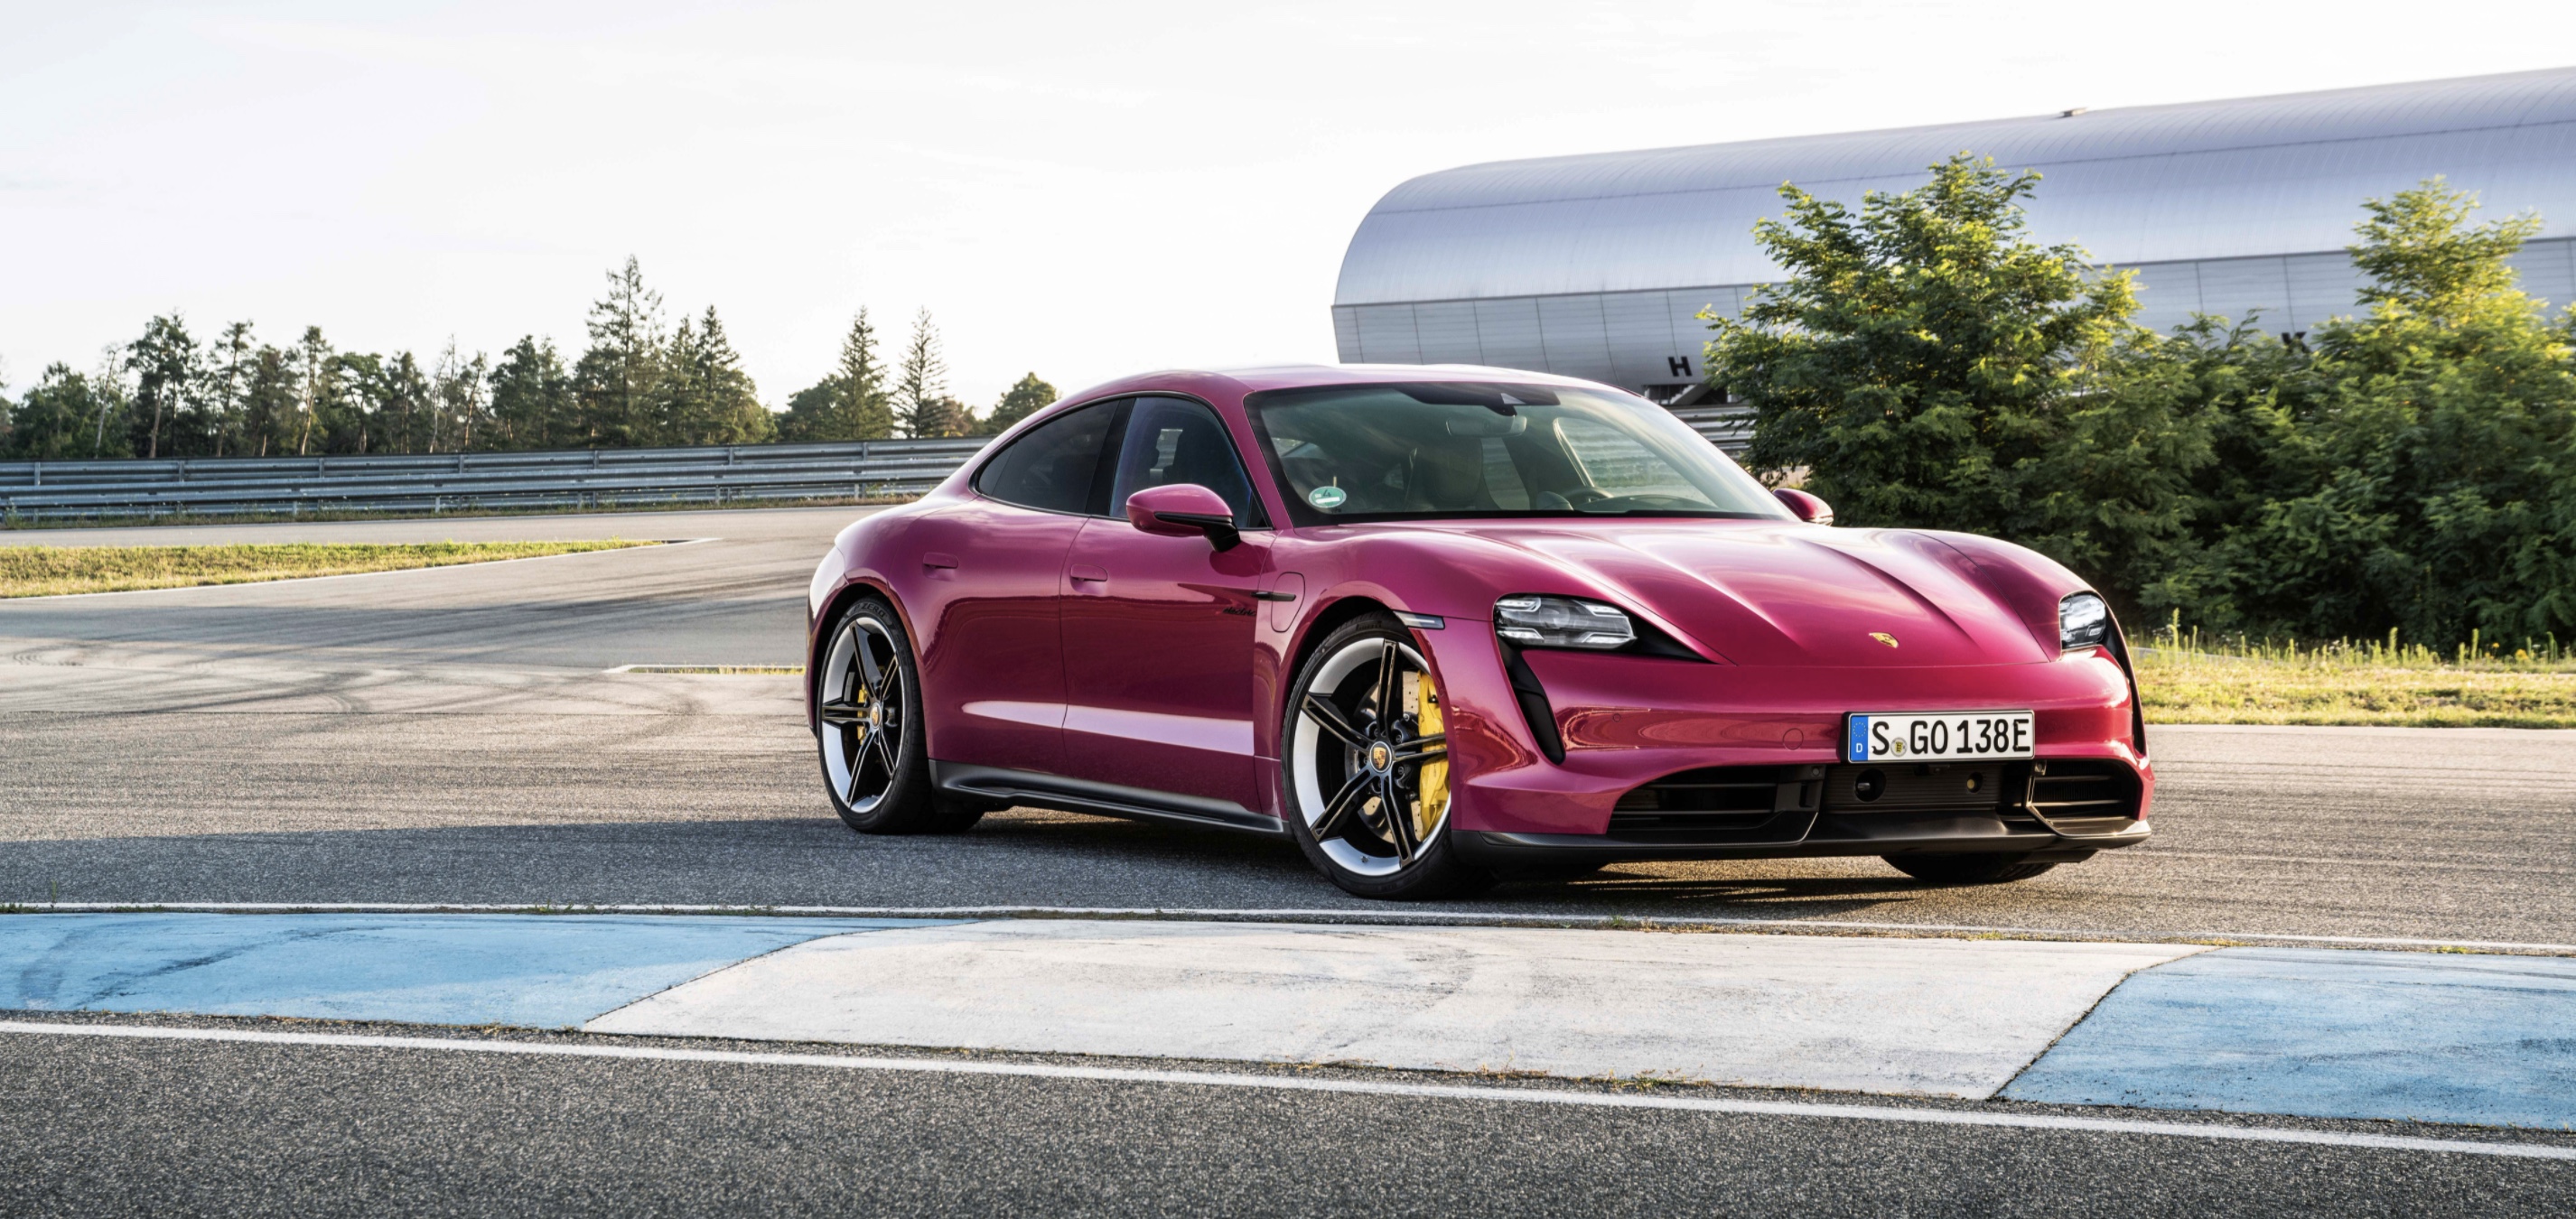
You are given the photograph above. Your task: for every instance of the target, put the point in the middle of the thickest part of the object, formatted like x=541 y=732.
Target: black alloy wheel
x=1366 y=767
x=867 y=715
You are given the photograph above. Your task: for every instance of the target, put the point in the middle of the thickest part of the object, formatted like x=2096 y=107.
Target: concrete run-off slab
x=538 y=971
x=1926 y=1016
x=2322 y=1033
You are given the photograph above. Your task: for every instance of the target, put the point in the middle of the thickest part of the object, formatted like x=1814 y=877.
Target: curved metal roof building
x=1592 y=266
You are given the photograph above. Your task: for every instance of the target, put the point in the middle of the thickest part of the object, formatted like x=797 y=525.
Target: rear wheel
x=867 y=723
x=1367 y=767
x=1992 y=869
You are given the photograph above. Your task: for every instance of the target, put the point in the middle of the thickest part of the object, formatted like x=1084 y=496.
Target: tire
x=1992 y=869
x=867 y=729
x=1355 y=768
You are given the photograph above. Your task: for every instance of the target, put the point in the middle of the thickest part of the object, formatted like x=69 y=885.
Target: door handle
x=1084 y=573
x=936 y=559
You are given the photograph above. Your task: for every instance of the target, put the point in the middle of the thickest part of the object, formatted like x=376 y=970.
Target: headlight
x=2083 y=621
x=1562 y=622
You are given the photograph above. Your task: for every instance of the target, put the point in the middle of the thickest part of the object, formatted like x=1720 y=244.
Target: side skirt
x=990 y=783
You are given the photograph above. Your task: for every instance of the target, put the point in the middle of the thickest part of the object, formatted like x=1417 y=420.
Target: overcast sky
x=1082 y=190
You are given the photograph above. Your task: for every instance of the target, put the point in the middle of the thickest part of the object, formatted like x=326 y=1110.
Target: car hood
x=1758 y=593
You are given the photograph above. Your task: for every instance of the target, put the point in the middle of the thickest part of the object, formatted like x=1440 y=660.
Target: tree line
x=640 y=381
x=2410 y=469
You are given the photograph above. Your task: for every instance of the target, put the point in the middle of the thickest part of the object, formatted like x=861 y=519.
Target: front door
x=1159 y=631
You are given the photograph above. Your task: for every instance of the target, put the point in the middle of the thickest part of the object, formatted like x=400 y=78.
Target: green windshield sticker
x=1327 y=497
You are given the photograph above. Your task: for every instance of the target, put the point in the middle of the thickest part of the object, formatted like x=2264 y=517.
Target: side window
x=1173 y=440
x=1054 y=466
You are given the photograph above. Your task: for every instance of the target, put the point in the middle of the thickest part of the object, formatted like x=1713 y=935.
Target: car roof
x=1298 y=376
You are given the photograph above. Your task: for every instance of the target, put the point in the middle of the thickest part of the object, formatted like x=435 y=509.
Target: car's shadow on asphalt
x=1018 y=858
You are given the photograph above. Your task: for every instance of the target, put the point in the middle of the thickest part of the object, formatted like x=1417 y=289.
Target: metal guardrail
x=586 y=478
x=581 y=478
x=1728 y=427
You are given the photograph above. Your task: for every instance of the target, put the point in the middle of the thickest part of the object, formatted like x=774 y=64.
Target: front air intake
x=2081 y=796
x=1720 y=805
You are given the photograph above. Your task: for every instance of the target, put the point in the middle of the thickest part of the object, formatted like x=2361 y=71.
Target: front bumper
x=1628 y=722
x=1900 y=835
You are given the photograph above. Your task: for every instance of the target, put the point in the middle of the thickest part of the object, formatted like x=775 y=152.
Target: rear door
x=993 y=567
x=1159 y=631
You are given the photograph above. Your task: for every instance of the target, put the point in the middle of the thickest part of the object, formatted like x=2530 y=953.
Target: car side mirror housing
x=1805 y=507
x=1181 y=509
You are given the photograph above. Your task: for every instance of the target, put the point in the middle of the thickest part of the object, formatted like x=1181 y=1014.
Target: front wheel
x=1988 y=869
x=1366 y=767
x=868 y=726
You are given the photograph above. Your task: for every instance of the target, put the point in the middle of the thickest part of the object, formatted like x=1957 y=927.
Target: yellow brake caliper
x=1431 y=783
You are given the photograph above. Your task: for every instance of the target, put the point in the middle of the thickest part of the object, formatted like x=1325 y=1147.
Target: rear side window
x=1173 y=440
x=1054 y=466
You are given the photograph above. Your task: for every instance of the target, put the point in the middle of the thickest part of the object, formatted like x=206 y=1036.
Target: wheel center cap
x=875 y=717
x=1380 y=757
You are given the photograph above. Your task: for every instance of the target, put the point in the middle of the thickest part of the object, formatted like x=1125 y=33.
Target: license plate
x=1936 y=736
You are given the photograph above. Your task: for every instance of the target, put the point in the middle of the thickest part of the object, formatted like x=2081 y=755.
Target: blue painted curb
x=538 y=971
x=2328 y=1033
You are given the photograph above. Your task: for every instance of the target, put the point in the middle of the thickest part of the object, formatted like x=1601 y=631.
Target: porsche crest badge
x=1883 y=637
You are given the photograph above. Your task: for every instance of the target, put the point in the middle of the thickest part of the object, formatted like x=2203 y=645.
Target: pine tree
x=403 y=392
x=167 y=368
x=269 y=402
x=533 y=405
x=851 y=403
x=619 y=376
x=921 y=384
x=230 y=383
x=353 y=422
x=112 y=399
x=711 y=400
x=864 y=412
x=318 y=383
x=458 y=390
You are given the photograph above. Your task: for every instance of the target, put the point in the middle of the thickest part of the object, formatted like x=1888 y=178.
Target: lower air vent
x=1722 y=804
x=2084 y=795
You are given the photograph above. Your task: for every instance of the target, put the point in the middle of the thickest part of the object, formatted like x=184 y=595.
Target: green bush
x=2412 y=468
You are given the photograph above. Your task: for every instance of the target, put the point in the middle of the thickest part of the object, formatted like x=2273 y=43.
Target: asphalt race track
x=454 y=737
x=449 y=736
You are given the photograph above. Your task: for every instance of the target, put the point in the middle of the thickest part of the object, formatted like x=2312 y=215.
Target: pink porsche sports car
x=1441 y=625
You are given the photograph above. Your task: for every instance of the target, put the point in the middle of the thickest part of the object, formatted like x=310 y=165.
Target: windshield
x=1461 y=449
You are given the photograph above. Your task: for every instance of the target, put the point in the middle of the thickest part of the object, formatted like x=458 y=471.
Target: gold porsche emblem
x=1883 y=637
x=1380 y=756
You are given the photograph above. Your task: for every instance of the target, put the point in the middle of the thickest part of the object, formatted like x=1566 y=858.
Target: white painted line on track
x=1408 y=918
x=716 y=670
x=1282 y=1083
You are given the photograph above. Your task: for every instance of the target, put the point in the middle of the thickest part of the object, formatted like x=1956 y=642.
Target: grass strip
x=2181 y=687
x=604 y=506
x=40 y=571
